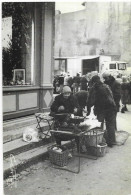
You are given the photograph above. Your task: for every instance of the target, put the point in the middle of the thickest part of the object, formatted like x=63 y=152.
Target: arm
x=90 y=100
x=55 y=105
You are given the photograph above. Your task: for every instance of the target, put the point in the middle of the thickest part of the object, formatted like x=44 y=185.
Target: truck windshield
x=121 y=66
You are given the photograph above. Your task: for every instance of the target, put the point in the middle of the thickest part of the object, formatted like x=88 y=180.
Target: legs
x=110 y=119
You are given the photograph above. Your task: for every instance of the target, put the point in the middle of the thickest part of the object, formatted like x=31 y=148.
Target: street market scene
x=66 y=98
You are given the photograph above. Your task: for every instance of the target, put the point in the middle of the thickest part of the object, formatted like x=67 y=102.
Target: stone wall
x=102 y=28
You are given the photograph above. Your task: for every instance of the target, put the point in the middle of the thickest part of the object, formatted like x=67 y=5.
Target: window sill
x=19 y=88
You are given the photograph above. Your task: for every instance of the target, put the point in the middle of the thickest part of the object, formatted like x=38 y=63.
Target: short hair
x=95 y=79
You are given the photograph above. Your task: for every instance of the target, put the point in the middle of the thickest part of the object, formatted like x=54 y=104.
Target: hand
x=75 y=110
x=61 y=108
x=88 y=112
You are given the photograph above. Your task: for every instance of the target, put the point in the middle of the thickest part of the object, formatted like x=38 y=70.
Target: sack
x=30 y=135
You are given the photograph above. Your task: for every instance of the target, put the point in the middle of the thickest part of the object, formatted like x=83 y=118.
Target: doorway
x=89 y=65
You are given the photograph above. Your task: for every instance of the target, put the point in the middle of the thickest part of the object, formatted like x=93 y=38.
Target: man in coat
x=100 y=96
x=115 y=87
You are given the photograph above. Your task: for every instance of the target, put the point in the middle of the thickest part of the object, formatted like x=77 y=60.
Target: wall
x=102 y=28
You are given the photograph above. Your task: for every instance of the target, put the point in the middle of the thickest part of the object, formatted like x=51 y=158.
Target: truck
x=86 y=64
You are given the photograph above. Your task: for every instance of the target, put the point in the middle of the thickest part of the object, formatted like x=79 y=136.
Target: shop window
x=60 y=66
x=17 y=43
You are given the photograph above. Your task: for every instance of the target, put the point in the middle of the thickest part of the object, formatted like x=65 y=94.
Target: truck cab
x=119 y=67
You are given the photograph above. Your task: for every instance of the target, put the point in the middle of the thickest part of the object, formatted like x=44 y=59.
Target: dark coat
x=125 y=95
x=116 y=90
x=82 y=98
x=69 y=104
x=83 y=83
x=100 y=96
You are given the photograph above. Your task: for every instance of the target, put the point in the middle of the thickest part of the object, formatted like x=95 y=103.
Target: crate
x=58 y=158
x=90 y=137
x=98 y=151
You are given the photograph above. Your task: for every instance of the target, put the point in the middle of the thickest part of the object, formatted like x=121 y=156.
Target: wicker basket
x=58 y=158
x=98 y=151
x=90 y=137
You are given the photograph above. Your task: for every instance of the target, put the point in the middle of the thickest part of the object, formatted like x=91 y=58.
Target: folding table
x=42 y=117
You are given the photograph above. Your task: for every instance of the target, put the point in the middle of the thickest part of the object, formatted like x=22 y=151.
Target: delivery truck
x=86 y=64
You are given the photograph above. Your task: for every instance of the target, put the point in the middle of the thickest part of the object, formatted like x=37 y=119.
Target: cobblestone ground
x=108 y=175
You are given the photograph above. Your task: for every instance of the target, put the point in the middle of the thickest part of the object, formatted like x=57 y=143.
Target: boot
x=122 y=110
x=125 y=108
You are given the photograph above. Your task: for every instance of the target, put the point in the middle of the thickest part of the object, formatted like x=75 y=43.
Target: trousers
x=109 y=116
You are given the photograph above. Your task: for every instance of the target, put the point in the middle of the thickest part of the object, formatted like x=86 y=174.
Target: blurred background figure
x=76 y=83
x=61 y=82
x=125 y=93
x=70 y=81
x=56 y=85
x=83 y=83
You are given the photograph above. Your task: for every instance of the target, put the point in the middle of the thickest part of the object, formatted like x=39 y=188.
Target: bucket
x=98 y=151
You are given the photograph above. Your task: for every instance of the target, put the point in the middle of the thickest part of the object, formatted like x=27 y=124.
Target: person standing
x=83 y=83
x=101 y=97
x=70 y=82
x=125 y=96
x=76 y=83
x=115 y=87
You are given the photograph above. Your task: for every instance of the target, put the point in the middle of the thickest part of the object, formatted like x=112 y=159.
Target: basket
x=90 y=137
x=98 y=151
x=58 y=158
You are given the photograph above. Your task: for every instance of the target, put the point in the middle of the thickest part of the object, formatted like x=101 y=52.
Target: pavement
x=110 y=175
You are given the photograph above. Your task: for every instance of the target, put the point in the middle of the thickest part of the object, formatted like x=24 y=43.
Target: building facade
x=101 y=28
x=27 y=74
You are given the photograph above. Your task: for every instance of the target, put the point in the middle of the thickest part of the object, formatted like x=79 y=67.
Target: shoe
x=110 y=145
x=122 y=110
x=125 y=108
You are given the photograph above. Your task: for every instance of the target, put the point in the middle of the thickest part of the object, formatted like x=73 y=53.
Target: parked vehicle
x=86 y=64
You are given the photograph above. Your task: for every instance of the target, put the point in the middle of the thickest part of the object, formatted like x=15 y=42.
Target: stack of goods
x=58 y=155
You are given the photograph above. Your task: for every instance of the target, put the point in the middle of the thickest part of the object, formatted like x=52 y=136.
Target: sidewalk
x=110 y=175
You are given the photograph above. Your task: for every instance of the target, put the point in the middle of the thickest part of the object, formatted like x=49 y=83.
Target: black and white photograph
x=66 y=97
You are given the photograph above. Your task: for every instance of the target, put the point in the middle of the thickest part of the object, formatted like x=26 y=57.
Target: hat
x=66 y=89
x=95 y=79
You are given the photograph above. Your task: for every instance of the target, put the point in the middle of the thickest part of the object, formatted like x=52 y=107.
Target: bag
x=121 y=137
x=30 y=135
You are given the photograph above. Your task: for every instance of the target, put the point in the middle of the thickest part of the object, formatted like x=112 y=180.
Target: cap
x=66 y=89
